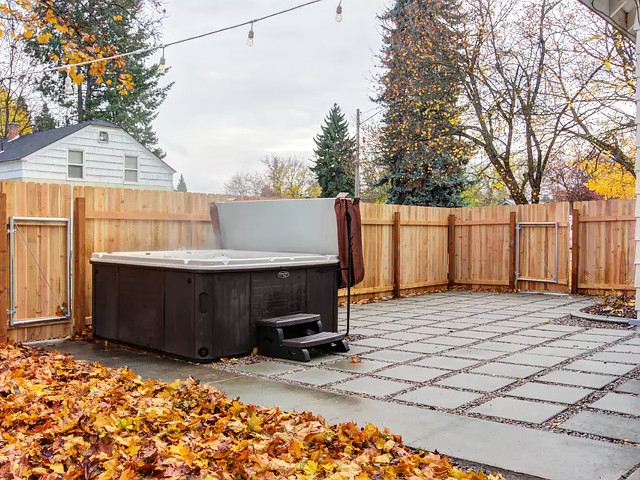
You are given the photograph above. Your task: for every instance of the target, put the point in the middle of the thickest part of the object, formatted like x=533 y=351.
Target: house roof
x=621 y=14
x=24 y=145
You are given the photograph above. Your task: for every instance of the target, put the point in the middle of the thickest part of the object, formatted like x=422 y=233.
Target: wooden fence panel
x=537 y=246
x=48 y=243
x=130 y=220
x=482 y=246
x=607 y=245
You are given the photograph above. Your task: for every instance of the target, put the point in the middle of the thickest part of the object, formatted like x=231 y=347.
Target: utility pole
x=357 y=163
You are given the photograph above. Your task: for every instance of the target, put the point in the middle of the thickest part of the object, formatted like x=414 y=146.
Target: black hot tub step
x=288 y=320
x=315 y=340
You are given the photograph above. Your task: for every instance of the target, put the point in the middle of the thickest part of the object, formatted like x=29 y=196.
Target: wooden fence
x=407 y=249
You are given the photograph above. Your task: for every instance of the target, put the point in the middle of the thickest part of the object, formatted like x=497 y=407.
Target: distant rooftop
x=24 y=145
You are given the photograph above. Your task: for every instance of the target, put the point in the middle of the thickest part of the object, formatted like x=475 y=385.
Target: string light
x=176 y=42
x=250 y=37
x=68 y=86
x=162 y=65
x=339 y=12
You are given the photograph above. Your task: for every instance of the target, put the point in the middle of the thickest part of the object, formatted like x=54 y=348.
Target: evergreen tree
x=423 y=161
x=334 y=155
x=128 y=92
x=44 y=120
x=182 y=185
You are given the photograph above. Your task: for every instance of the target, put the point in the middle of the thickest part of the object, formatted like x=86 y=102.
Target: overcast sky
x=231 y=104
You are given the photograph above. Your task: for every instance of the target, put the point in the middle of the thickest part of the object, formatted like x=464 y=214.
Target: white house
x=94 y=153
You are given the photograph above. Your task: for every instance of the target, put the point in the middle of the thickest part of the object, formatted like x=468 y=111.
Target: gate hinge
x=11 y=312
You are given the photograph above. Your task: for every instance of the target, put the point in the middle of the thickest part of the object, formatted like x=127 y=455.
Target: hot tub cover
x=213 y=260
x=311 y=226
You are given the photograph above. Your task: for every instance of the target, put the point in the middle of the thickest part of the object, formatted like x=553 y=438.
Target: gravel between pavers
x=395 y=312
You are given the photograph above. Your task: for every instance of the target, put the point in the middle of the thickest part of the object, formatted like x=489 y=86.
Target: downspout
x=636 y=29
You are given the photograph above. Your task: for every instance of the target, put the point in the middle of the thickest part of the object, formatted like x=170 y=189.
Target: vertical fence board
x=80 y=279
x=4 y=267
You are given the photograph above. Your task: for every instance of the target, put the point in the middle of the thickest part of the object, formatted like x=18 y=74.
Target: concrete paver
x=372 y=386
x=610 y=426
x=377 y=342
x=632 y=386
x=474 y=353
x=551 y=393
x=535 y=360
x=412 y=373
x=600 y=367
x=472 y=381
x=363 y=366
x=420 y=347
x=391 y=356
x=507 y=370
x=555 y=351
x=316 y=376
x=448 y=340
x=500 y=347
x=267 y=368
x=630 y=358
x=438 y=397
x=619 y=402
x=445 y=362
x=521 y=410
x=579 y=379
x=522 y=339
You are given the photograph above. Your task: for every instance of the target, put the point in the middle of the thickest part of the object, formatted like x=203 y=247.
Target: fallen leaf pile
x=63 y=419
x=614 y=305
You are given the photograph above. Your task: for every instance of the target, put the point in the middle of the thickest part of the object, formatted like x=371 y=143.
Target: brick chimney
x=13 y=131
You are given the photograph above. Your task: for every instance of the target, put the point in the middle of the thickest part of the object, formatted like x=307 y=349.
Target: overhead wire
x=168 y=44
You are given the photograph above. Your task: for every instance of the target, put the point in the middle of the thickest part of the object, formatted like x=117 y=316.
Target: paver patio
x=432 y=368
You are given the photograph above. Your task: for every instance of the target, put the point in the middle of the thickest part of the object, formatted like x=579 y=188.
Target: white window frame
x=84 y=164
x=125 y=169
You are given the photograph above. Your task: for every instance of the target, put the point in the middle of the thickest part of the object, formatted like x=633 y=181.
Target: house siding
x=103 y=162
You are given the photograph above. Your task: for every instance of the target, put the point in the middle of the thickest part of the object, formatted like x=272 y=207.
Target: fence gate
x=537 y=248
x=39 y=269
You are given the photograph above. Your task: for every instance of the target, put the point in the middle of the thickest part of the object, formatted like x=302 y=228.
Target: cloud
x=231 y=105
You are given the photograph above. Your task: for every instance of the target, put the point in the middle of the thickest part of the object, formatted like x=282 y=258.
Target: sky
x=232 y=104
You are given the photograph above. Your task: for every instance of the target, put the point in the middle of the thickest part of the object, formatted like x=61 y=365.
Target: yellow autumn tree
x=44 y=20
x=13 y=111
x=610 y=179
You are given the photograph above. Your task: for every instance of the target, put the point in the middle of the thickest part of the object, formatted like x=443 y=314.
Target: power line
x=176 y=42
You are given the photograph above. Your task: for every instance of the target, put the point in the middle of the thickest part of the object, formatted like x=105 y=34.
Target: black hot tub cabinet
x=270 y=259
x=203 y=305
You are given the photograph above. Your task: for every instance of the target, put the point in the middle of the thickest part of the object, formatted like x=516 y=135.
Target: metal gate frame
x=518 y=230
x=13 y=221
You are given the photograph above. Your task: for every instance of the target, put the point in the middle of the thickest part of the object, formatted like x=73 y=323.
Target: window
x=76 y=164
x=103 y=137
x=130 y=169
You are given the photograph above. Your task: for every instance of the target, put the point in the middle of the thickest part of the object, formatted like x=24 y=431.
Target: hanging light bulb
x=162 y=65
x=339 y=13
x=68 y=85
x=250 y=37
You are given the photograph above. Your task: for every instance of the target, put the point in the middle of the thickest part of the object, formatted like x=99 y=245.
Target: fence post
x=4 y=265
x=79 y=266
x=512 y=250
x=575 y=250
x=397 y=260
x=452 y=250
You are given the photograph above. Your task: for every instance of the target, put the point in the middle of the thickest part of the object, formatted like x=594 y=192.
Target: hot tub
x=271 y=259
x=202 y=304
